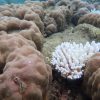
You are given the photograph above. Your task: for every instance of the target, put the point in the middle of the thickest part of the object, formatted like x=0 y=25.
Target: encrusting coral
x=91 y=83
x=24 y=74
x=28 y=29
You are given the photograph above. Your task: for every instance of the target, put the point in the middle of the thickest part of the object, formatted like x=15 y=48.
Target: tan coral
x=62 y=16
x=91 y=18
x=27 y=29
x=91 y=81
x=32 y=16
x=50 y=29
x=24 y=74
x=50 y=25
x=59 y=18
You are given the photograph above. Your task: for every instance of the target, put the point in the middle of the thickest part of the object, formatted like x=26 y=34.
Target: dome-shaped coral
x=26 y=28
x=91 y=18
x=24 y=74
x=91 y=81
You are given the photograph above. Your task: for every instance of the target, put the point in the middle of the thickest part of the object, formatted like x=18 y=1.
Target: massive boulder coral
x=24 y=74
x=32 y=16
x=61 y=17
x=91 y=81
x=24 y=12
x=50 y=25
x=27 y=29
x=91 y=18
x=88 y=31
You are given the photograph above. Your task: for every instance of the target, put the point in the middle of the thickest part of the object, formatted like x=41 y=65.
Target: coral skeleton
x=69 y=58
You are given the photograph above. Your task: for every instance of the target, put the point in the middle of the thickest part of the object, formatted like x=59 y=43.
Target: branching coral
x=68 y=59
x=91 y=81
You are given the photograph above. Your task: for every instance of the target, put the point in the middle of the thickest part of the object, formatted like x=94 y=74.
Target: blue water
x=22 y=1
x=11 y=1
x=15 y=1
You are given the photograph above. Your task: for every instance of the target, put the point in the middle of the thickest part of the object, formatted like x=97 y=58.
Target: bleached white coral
x=69 y=58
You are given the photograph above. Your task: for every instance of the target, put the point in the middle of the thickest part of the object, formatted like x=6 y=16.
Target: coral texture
x=91 y=81
x=24 y=74
x=25 y=12
x=69 y=58
x=61 y=16
x=91 y=18
x=23 y=27
x=50 y=25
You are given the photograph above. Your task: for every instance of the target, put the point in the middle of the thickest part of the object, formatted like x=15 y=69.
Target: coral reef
x=80 y=12
x=26 y=28
x=61 y=16
x=92 y=32
x=50 y=25
x=26 y=12
x=69 y=58
x=63 y=3
x=91 y=18
x=21 y=73
x=91 y=81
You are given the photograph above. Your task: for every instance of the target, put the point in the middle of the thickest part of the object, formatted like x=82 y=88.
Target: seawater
x=15 y=1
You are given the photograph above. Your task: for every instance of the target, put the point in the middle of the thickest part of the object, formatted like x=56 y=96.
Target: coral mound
x=23 y=27
x=24 y=74
x=91 y=81
x=91 y=18
x=69 y=59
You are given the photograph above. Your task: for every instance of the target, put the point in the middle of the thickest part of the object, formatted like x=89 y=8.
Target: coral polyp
x=69 y=58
